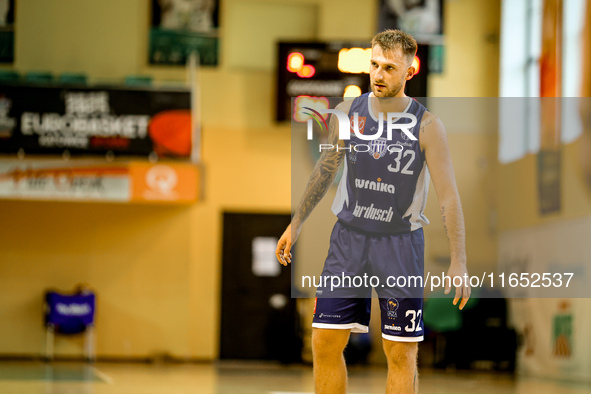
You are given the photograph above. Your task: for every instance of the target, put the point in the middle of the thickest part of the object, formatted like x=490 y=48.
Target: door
x=259 y=318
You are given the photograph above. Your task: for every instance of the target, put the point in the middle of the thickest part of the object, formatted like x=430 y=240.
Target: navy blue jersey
x=385 y=183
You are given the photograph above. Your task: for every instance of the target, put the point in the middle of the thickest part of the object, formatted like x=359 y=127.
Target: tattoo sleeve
x=422 y=129
x=444 y=220
x=323 y=174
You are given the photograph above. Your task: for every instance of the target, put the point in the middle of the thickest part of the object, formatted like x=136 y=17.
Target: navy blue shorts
x=393 y=261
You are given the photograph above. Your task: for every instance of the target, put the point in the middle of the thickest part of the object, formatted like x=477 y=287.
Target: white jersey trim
x=402 y=339
x=342 y=196
x=373 y=116
x=355 y=327
x=419 y=201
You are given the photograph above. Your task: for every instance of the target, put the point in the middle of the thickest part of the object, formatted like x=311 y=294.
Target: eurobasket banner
x=95 y=120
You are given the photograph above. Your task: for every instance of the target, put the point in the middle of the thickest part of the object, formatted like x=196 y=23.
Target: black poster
x=51 y=120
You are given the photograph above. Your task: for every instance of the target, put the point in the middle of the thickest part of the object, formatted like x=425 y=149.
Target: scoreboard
x=332 y=69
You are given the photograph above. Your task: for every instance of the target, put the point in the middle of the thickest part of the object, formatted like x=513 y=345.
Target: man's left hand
x=463 y=291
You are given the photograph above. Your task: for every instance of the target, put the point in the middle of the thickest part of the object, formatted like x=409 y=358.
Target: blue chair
x=70 y=314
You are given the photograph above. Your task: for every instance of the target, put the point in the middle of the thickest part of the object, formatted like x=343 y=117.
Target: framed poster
x=421 y=18
x=49 y=120
x=6 y=31
x=181 y=27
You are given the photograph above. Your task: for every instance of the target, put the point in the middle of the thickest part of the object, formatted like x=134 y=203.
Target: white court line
x=102 y=376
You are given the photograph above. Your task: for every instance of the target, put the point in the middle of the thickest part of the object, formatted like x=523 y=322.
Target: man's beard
x=390 y=93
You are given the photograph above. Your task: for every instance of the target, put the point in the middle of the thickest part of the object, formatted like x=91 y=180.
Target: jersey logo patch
x=360 y=123
x=378 y=148
x=392 y=308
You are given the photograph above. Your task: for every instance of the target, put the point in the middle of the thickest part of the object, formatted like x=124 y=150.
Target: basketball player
x=388 y=240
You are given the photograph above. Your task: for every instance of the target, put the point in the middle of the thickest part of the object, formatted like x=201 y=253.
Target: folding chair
x=70 y=314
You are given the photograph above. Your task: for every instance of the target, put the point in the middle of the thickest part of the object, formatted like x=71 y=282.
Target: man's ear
x=410 y=72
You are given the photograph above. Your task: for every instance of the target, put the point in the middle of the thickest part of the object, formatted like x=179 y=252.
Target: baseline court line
x=107 y=379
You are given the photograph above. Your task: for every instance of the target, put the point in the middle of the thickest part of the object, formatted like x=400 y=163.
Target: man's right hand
x=321 y=178
x=283 y=251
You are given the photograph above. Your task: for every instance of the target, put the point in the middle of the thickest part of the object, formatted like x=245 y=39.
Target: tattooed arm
x=322 y=177
x=434 y=143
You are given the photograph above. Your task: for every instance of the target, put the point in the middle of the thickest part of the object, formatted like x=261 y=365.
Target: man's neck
x=388 y=104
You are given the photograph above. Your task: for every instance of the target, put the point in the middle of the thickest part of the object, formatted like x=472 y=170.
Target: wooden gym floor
x=243 y=378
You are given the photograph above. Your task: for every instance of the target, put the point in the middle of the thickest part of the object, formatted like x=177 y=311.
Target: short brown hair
x=390 y=39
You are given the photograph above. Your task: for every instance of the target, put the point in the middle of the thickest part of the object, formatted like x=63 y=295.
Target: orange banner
x=88 y=180
x=164 y=182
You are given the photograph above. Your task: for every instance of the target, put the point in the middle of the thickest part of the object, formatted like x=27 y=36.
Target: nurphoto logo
x=345 y=126
x=356 y=126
